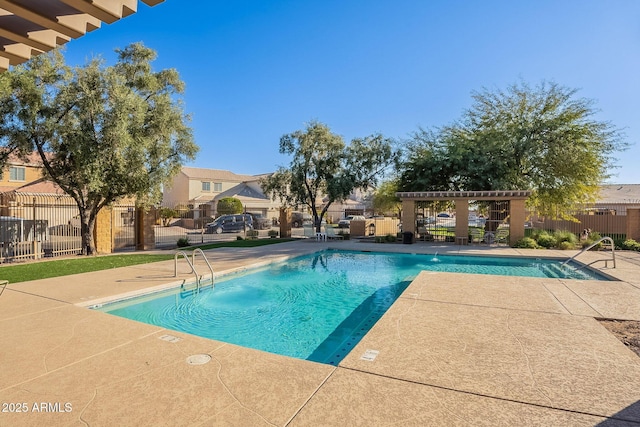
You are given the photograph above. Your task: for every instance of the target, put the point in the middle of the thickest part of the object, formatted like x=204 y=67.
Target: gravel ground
x=627 y=331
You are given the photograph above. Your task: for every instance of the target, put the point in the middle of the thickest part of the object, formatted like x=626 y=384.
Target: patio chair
x=310 y=232
x=502 y=236
x=331 y=234
x=476 y=235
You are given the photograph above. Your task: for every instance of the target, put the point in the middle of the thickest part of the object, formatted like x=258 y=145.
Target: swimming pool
x=315 y=307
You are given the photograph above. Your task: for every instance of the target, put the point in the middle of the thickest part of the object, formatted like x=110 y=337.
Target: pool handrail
x=604 y=239
x=193 y=261
x=193 y=269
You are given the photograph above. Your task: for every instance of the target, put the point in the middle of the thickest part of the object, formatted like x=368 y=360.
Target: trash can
x=407 y=237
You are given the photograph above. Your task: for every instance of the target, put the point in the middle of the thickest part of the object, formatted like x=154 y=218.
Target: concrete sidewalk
x=455 y=349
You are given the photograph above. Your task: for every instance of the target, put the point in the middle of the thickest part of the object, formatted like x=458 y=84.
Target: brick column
x=633 y=224
x=103 y=233
x=516 y=221
x=144 y=231
x=409 y=216
x=285 y=222
x=462 y=218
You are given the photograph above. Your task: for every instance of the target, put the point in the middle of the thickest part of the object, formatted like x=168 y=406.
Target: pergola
x=31 y=27
x=516 y=199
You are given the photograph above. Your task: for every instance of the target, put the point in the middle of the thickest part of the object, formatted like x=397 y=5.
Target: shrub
x=390 y=238
x=379 y=239
x=565 y=236
x=537 y=233
x=239 y=238
x=183 y=242
x=565 y=245
x=229 y=206
x=526 y=243
x=546 y=240
x=345 y=236
x=273 y=233
x=593 y=237
x=630 y=245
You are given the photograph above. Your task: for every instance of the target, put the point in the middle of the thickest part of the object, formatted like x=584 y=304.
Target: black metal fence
x=38 y=225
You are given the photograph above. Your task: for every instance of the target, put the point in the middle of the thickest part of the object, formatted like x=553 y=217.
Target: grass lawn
x=64 y=267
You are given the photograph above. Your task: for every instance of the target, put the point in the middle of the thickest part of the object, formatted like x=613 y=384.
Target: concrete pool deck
x=455 y=349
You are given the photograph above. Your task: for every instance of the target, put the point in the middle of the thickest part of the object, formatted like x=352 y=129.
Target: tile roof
x=218 y=175
x=619 y=193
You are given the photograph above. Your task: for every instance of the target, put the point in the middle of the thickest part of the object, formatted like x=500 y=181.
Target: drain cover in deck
x=198 y=359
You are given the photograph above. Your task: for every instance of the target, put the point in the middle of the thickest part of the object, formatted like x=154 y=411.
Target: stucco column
x=517 y=219
x=409 y=216
x=462 y=218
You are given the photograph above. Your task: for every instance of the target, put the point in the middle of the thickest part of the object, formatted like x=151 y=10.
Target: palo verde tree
x=102 y=132
x=324 y=167
x=543 y=139
x=384 y=198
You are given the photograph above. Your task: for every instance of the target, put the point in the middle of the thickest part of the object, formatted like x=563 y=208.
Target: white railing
x=193 y=261
x=193 y=269
x=606 y=261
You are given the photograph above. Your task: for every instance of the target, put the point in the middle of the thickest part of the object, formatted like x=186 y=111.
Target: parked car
x=422 y=222
x=228 y=223
x=345 y=222
x=444 y=215
x=299 y=219
x=260 y=222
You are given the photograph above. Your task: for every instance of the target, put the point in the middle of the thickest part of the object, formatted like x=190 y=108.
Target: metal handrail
x=193 y=259
x=193 y=269
x=604 y=239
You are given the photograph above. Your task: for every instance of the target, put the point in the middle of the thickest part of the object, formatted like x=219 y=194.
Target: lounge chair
x=311 y=233
x=331 y=234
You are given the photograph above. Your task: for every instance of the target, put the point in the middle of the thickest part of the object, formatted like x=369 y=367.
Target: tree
x=102 y=133
x=543 y=139
x=385 y=199
x=323 y=166
x=229 y=206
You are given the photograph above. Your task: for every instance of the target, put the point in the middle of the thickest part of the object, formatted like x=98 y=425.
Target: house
x=201 y=188
x=19 y=172
x=615 y=199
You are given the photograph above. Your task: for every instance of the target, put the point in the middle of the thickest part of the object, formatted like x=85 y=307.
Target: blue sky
x=256 y=69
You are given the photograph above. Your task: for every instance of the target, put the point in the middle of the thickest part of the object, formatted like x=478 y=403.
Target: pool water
x=315 y=307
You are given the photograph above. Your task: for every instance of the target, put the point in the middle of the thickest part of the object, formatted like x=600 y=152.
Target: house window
x=206 y=186
x=217 y=186
x=16 y=174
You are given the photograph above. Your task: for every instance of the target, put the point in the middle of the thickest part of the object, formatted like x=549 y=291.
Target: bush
x=526 y=243
x=546 y=240
x=390 y=238
x=593 y=237
x=239 y=238
x=273 y=233
x=565 y=236
x=630 y=245
x=229 y=206
x=183 y=242
x=566 y=245
x=345 y=236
